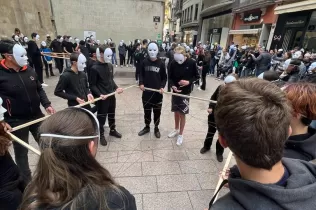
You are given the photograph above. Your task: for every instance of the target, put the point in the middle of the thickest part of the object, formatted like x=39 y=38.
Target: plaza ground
x=160 y=174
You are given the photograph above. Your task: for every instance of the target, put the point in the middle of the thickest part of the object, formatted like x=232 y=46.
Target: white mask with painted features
x=61 y=39
x=153 y=50
x=20 y=55
x=37 y=37
x=179 y=58
x=108 y=55
x=16 y=38
x=98 y=42
x=81 y=63
x=26 y=39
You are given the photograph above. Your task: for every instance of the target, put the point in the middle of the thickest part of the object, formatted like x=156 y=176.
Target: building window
x=196 y=11
x=40 y=19
x=191 y=11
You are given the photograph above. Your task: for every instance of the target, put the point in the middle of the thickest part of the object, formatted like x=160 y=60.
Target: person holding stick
x=102 y=83
x=152 y=75
x=11 y=182
x=68 y=176
x=183 y=73
x=22 y=94
x=73 y=83
x=253 y=118
x=56 y=47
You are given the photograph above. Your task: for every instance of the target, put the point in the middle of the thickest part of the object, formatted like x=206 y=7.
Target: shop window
x=196 y=11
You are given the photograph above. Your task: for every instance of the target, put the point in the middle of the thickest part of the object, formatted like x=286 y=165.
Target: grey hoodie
x=298 y=194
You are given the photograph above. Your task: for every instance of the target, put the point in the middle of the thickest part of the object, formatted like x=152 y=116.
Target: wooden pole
x=47 y=116
x=181 y=95
x=29 y=147
x=229 y=157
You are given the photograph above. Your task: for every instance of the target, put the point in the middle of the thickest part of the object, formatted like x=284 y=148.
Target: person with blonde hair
x=67 y=175
x=182 y=74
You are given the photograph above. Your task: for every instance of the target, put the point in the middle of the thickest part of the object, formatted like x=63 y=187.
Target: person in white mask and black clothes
x=73 y=83
x=101 y=84
x=56 y=47
x=152 y=75
x=182 y=74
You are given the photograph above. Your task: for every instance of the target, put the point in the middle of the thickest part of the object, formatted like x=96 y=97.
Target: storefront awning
x=295 y=7
x=246 y=31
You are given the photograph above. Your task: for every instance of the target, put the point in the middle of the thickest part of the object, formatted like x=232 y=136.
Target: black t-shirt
x=68 y=46
x=56 y=46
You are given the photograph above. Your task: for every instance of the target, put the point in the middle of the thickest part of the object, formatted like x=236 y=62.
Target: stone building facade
x=27 y=15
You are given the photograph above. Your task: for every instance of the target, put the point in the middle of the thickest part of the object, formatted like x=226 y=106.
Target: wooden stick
x=181 y=95
x=55 y=53
x=47 y=116
x=29 y=147
x=57 y=57
x=229 y=157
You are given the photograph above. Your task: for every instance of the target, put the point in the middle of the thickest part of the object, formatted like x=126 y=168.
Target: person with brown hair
x=183 y=73
x=73 y=180
x=11 y=181
x=302 y=142
x=253 y=119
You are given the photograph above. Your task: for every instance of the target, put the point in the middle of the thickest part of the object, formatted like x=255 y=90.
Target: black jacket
x=22 y=93
x=11 y=184
x=186 y=71
x=90 y=63
x=101 y=79
x=72 y=85
x=299 y=193
x=34 y=53
x=301 y=147
x=56 y=46
x=153 y=74
x=214 y=97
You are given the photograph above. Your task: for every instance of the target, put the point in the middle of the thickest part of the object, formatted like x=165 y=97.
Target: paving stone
x=169 y=155
x=135 y=156
x=124 y=169
x=167 y=201
x=160 y=168
x=156 y=144
x=145 y=184
x=194 y=154
x=139 y=201
x=124 y=145
x=171 y=183
x=106 y=157
x=208 y=181
x=197 y=166
x=200 y=199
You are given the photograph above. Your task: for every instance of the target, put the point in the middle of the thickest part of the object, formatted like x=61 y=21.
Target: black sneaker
x=144 y=131
x=204 y=150
x=103 y=141
x=219 y=158
x=157 y=133
x=115 y=134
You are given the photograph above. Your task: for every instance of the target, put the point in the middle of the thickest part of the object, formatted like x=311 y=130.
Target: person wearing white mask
x=36 y=57
x=23 y=94
x=152 y=75
x=101 y=84
x=122 y=53
x=56 y=47
x=73 y=83
x=47 y=59
x=182 y=74
x=97 y=43
x=76 y=44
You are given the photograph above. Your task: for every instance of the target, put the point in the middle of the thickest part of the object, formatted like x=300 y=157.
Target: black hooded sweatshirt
x=72 y=85
x=22 y=93
x=302 y=146
x=101 y=79
x=299 y=192
x=34 y=53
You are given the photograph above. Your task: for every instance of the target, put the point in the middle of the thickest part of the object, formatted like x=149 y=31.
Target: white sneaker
x=115 y=65
x=174 y=133
x=199 y=88
x=136 y=81
x=121 y=66
x=180 y=140
x=44 y=85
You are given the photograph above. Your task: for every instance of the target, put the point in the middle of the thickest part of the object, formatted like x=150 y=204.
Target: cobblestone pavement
x=160 y=174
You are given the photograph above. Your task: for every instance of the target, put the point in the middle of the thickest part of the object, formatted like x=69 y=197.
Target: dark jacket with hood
x=34 y=53
x=101 y=79
x=21 y=93
x=72 y=85
x=299 y=192
x=302 y=146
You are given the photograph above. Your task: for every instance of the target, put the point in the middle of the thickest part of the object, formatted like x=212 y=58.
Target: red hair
x=303 y=98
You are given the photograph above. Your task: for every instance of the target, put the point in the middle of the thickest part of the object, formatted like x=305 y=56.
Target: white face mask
x=26 y=39
x=163 y=45
x=37 y=37
x=152 y=50
x=108 y=55
x=109 y=41
x=121 y=43
x=70 y=39
x=105 y=42
x=19 y=54
x=98 y=41
x=43 y=44
x=61 y=39
x=81 y=63
x=16 y=38
x=77 y=40
x=138 y=41
x=179 y=58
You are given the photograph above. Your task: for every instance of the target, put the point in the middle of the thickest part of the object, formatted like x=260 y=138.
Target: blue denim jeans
x=114 y=59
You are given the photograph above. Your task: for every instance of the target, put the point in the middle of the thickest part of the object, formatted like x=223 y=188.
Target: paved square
x=159 y=173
